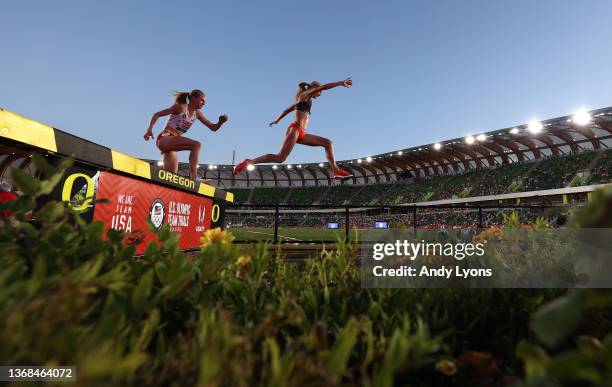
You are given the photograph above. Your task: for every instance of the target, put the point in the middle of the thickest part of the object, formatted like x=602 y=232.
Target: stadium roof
x=527 y=142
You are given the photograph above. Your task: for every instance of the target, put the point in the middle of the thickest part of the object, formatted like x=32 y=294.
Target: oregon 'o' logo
x=216 y=210
x=67 y=190
x=157 y=212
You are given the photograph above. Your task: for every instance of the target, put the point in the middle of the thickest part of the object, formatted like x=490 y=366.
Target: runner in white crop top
x=182 y=115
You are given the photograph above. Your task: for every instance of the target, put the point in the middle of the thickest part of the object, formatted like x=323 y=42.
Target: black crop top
x=304 y=106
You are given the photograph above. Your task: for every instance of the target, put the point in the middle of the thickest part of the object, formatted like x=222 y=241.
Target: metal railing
x=348 y=211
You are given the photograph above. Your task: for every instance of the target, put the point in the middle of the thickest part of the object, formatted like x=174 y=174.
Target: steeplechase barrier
x=135 y=191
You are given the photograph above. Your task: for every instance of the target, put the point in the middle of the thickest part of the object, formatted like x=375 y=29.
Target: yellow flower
x=447 y=367
x=216 y=236
x=488 y=235
x=243 y=261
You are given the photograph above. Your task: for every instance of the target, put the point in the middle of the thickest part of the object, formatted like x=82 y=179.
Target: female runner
x=171 y=140
x=296 y=133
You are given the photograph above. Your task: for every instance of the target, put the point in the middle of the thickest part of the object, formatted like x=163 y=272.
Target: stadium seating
x=592 y=167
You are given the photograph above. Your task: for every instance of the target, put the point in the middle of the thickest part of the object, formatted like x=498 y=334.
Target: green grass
x=302 y=234
x=287 y=234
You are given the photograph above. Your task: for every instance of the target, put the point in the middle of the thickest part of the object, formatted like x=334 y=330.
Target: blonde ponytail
x=182 y=97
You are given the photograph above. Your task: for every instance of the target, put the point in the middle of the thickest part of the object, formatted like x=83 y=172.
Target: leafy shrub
x=242 y=316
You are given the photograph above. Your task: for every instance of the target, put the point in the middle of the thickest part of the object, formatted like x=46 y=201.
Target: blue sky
x=423 y=71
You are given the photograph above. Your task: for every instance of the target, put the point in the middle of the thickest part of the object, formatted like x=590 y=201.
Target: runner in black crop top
x=304 y=106
x=296 y=133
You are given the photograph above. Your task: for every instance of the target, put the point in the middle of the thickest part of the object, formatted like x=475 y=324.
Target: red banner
x=132 y=202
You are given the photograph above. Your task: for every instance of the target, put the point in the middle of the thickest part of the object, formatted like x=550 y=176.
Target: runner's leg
x=179 y=143
x=171 y=161
x=290 y=140
x=313 y=140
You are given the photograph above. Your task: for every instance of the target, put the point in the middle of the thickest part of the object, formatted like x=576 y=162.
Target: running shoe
x=342 y=174
x=241 y=167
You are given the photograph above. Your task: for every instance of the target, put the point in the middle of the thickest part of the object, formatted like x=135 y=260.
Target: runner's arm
x=348 y=82
x=174 y=109
x=210 y=125
x=283 y=114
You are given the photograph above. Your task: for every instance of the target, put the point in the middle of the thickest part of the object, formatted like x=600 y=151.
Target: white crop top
x=182 y=121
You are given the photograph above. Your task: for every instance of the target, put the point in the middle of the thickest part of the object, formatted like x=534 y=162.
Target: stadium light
x=514 y=130
x=582 y=118
x=359 y=161
x=481 y=137
x=469 y=140
x=160 y=163
x=437 y=146
x=535 y=126
x=250 y=167
x=369 y=159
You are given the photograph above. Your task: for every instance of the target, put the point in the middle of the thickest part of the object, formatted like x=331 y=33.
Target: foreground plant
x=240 y=316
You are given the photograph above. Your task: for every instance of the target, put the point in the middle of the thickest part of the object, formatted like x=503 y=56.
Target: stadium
x=537 y=169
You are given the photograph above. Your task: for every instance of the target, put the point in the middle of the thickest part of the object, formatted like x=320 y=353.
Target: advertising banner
x=132 y=202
